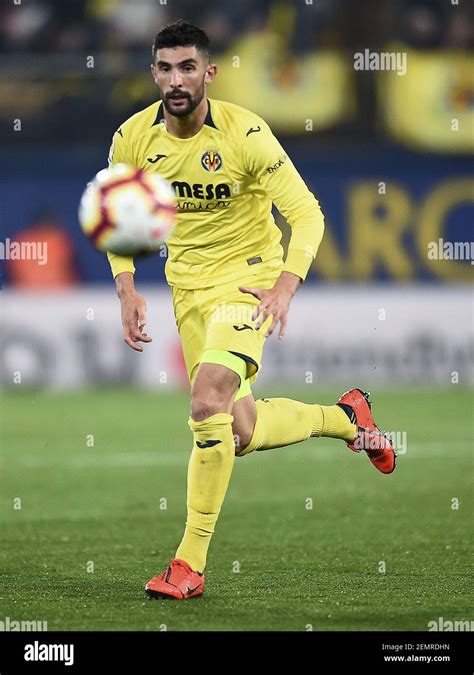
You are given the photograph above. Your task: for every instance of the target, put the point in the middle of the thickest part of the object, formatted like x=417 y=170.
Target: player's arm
x=268 y=162
x=133 y=309
x=133 y=305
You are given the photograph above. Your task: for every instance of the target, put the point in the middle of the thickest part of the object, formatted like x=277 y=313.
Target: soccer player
x=230 y=287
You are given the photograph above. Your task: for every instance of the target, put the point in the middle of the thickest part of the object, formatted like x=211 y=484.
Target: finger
x=282 y=328
x=128 y=340
x=263 y=317
x=258 y=310
x=138 y=336
x=256 y=292
x=142 y=319
x=272 y=328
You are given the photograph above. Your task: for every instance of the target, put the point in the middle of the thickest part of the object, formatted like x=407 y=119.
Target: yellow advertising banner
x=292 y=94
x=431 y=105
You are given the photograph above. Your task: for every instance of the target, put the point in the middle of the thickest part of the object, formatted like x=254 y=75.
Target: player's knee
x=205 y=404
x=213 y=391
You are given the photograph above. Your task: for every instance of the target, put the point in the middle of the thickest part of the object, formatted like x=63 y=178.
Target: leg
x=283 y=421
x=212 y=458
x=277 y=422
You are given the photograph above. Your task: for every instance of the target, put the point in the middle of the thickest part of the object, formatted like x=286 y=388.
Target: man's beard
x=187 y=108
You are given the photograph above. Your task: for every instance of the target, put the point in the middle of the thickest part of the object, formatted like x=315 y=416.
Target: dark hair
x=181 y=34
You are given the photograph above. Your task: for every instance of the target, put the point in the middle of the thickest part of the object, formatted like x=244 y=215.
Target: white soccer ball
x=127 y=211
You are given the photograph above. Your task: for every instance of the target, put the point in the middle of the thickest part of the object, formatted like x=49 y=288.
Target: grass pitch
x=102 y=477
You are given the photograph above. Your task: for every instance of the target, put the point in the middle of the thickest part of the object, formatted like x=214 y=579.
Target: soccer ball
x=127 y=211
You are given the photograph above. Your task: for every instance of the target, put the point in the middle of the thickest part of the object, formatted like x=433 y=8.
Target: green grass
x=297 y=566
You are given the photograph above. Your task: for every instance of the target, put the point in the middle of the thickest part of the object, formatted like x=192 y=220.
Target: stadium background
x=95 y=435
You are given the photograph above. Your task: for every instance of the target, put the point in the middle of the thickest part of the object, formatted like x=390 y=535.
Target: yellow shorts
x=220 y=317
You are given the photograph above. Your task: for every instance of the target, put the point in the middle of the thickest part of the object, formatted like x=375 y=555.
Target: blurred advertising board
x=349 y=335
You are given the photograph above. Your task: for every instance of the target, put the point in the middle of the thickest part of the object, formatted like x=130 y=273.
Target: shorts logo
x=243 y=326
x=211 y=161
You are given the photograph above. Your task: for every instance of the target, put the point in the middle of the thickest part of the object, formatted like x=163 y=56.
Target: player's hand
x=274 y=301
x=134 y=319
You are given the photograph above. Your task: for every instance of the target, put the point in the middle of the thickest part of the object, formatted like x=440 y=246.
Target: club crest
x=211 y=161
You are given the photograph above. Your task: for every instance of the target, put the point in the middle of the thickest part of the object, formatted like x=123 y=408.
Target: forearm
x=125 y=284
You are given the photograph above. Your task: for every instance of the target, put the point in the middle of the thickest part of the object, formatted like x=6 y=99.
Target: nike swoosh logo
x=155 y=159
x=244 y=326
x=207 y=444
x=252 y=131
x=191 y=590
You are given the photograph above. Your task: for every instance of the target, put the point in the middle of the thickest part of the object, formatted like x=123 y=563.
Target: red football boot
x=178 y=582
x=369 y=437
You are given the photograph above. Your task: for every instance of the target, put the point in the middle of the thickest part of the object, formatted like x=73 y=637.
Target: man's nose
x=176 y=79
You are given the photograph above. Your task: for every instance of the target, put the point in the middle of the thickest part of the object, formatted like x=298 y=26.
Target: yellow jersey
x=226 y=178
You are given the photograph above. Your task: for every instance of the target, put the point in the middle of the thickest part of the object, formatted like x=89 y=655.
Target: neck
x=188 y=126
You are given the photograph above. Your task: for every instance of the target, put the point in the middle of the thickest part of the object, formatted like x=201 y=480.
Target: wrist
x=289 y=282
x=125 y=284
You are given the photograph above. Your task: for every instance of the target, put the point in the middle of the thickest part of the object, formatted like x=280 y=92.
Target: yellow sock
x=332 y=422
x=283 y=421
x=209 y=471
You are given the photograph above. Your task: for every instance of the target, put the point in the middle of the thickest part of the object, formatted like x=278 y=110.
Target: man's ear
x=154 y=73
x=211 y=72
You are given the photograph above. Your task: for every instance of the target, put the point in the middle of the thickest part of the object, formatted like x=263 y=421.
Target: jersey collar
x=209 y=121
